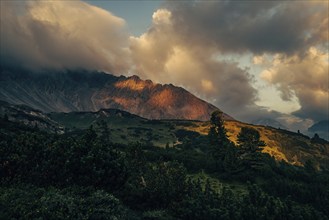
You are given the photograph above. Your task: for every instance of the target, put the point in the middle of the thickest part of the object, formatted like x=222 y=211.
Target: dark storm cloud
x=256 y=26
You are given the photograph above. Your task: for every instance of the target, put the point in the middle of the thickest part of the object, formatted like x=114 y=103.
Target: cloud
x=256 y=114
x=254 y=26
x=161 y=16
x=187 y=41
x=185 y=45
x=306 y=78
x=62 y=34
x=163 y=55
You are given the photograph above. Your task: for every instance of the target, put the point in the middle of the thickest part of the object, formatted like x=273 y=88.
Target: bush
x=28 y=202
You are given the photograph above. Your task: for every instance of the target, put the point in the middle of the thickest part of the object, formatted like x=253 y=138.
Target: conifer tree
x=105 y=132
x=250 y=147
x=218 y=138
x=249 y=140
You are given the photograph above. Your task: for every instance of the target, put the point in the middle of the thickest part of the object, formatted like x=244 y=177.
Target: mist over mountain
x=268 y=122
x=321 y=128
x=66 y=91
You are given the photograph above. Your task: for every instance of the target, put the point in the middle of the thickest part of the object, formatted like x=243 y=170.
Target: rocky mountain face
x=29 y=117
x=68 y=91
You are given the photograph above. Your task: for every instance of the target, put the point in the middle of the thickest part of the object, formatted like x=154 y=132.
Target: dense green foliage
x=85 y=176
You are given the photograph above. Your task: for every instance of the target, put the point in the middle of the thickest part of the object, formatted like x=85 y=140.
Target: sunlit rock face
x=85 y=91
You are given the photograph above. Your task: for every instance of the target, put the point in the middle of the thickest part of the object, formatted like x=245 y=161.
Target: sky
x=137 y=14
x=252 y=59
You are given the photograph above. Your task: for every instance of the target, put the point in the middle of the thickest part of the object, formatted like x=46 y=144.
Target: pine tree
x=250 y=147
x=218 y=138
x=89 y=136
x=105 y=132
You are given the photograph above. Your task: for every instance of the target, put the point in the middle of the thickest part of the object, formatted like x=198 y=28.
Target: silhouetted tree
x=105 y=132
x=249 y=140
x=218 y=138
x=250 y=147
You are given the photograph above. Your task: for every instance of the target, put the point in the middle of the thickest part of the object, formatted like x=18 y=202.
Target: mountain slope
x=29 y=117
x=124 y=128
x=322 y=126
x=85 y=91
x=294 y=148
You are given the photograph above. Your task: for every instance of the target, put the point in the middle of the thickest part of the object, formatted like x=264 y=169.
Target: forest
x=84 y=175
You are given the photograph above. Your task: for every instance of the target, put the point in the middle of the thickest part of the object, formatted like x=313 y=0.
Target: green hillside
x=123 y=127
x=83 y=174
x=112 y=164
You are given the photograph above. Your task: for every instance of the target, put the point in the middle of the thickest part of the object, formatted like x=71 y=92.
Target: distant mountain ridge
x=321 y=126
x=67 y=91
x=268 y=122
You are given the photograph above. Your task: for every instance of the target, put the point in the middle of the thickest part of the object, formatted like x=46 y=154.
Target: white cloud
x=63 y=34
x=305 y=78
x=258 y=59
x=164 y=55
x=162 y=16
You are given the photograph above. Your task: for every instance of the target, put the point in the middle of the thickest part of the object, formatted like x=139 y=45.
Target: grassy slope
x=123 y=128
x=291 y=147
x=284 y=145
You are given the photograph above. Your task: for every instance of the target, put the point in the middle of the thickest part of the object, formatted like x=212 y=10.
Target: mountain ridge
x=68 y=91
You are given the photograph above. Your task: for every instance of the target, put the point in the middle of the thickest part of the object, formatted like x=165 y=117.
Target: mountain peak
x=135 y=78
x=134 y=83
x=75 y=91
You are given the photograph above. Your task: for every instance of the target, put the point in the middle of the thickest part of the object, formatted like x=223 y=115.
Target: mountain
x=66 y=91
x=29 y=117
x=321 y=128
x=268 y=122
